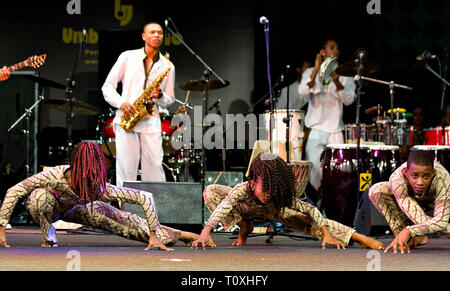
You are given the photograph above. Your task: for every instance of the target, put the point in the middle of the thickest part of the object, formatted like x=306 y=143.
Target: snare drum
x=339 y=181
x=301 y=171
x=441 y=154
x=433 y=136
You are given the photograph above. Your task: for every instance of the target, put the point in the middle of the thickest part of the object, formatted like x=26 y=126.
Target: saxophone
x=142 y=103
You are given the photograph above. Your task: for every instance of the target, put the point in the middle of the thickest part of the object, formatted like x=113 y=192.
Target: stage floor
x=103 y=252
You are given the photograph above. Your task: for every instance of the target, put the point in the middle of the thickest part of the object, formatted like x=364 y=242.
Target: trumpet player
x=325 y=109
x=136 y=69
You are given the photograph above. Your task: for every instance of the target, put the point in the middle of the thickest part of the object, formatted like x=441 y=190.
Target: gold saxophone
x=142 y=103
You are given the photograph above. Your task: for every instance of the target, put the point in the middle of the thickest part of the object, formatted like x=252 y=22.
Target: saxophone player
x=137 y=69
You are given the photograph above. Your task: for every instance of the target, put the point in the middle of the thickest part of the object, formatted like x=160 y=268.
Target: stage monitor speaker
x=229 y=179
x=175 y=202
x=368 y=220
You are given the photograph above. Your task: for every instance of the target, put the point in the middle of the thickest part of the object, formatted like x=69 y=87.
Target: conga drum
x=340 y=181
x=441 y=154
x=383 y=161
x=301 y=171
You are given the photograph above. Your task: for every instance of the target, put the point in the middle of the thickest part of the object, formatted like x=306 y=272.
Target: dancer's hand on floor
x=155 y=242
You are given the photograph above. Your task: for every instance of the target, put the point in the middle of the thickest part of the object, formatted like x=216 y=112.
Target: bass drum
x=339 y=182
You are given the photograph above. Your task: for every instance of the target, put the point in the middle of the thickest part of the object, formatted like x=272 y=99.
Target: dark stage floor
x=97 y=251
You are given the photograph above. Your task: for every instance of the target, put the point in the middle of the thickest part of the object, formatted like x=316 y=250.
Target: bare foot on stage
x=188 y=237
x=418 y=241
x=367 y=242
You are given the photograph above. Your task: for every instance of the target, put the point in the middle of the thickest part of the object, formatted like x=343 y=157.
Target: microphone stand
x=359 y=92
x=207 y=75
x=287 y=119
x=271 y=121
x=70 y=84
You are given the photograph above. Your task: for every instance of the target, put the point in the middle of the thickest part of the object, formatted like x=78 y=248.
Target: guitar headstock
x=36 y=61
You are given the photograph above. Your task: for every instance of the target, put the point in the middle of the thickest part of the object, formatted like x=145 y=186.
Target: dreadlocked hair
x=87 y=164
x=277 y=178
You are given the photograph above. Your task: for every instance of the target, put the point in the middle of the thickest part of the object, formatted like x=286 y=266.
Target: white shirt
x=295 y=100
x=130 y=70
x=325 y=107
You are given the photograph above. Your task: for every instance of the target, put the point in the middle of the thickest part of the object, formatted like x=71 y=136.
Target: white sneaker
x=8 y=226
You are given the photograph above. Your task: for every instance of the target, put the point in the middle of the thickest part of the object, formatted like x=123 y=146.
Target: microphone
x=361 y=54
x=426 y=56
x=263 y=20
x=215 y=104
x=166 y=22
x=83 y=33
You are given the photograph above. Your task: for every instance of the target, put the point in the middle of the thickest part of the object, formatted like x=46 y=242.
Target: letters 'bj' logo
x=124 y=13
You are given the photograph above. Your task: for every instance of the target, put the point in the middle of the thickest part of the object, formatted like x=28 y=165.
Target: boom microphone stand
x=70 y=84
x=206 y=74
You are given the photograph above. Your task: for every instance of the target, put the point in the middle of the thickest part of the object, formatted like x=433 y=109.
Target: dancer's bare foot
x=418 y=241
x=367 y=242
x=246 y=228
x=188 y=237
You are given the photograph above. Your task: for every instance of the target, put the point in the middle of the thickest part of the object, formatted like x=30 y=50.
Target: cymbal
x=199 y=85
x=350 y=69
x=78 y=107
x=399 y=110
x=45 y=82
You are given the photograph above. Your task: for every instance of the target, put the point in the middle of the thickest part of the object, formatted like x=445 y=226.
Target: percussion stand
x=27 y=116
x=445 y=83
x=391 y=85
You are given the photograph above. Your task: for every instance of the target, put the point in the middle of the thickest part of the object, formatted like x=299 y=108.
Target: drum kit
x=175 y=162
x=371 y=151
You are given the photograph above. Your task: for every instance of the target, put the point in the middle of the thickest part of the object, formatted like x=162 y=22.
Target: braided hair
x=87 y=164
x=277 y=178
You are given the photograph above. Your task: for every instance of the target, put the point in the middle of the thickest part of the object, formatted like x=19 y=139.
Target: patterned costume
x=50 y=198
x=402 y=208
x=231 y=205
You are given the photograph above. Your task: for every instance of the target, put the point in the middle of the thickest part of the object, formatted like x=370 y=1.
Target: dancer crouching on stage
x=415 y=201
x=270 y=194
x=77 y=193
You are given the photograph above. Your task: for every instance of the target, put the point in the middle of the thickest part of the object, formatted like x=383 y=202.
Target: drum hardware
x=27 y=115
x=75 y=106
x=45 y=82
x=350 y=69
x=445 y=83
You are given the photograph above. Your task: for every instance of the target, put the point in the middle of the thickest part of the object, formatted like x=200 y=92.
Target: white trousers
x=132 y=147
x=317 y=140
